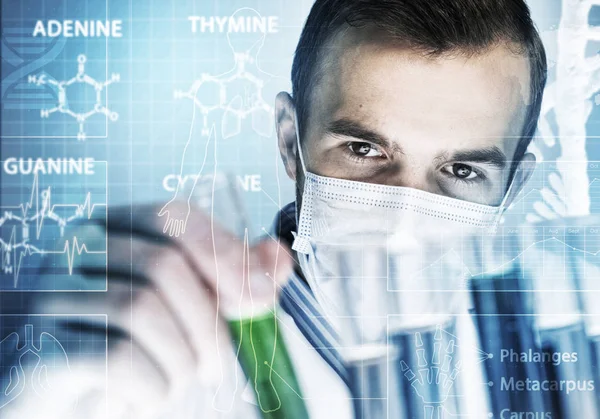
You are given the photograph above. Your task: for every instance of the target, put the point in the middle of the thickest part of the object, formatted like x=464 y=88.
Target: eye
x=461 y=171
x=363 y=149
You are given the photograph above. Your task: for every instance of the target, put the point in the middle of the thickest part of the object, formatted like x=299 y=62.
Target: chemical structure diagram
x=80 y=78
x=246 y=76
x=240 y=106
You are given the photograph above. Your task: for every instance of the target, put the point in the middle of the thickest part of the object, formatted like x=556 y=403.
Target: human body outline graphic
x=175 y=215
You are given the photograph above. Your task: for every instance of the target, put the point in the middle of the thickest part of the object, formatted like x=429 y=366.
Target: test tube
x=261 y=350
x=265 y=361
x=503 y=315
x=582 y=237
x=361 y=307
x=527 y=309
x=426 y=298
x=393 y=327
x=550 y=264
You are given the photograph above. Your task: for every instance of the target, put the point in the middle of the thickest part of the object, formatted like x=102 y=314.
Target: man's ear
x=522 y=175
x=285 y=123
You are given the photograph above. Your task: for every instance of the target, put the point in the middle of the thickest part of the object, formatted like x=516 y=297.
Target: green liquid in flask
x=265 y=361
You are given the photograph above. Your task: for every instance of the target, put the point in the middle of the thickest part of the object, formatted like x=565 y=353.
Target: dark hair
x=432 y=27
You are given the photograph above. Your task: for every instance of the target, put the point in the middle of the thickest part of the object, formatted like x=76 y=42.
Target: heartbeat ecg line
x=500 y=267
x=37 y=211
x=524 y=196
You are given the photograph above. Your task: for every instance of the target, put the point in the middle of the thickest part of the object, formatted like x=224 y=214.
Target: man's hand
x=165 y=300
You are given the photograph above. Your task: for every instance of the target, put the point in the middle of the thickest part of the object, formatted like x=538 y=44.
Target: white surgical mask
x=427 y=234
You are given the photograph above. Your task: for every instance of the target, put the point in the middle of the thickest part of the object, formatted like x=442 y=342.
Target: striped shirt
x=299 y=302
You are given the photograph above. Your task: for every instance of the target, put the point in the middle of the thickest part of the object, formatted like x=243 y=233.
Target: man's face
x=449 y=125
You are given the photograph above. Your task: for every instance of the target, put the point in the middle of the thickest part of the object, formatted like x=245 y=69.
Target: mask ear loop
x=298 y=147
x=503 y=205
x=301 y=242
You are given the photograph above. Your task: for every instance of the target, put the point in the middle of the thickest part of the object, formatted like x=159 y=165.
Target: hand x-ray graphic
x=436 y=373
x=32 y=372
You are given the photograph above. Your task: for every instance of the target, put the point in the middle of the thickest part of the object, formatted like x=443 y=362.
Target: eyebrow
x=491 y=155
x=348 y=128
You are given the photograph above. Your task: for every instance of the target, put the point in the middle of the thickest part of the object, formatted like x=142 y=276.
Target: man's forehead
x=380 y=82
